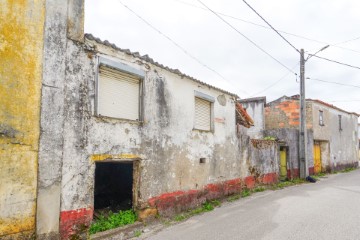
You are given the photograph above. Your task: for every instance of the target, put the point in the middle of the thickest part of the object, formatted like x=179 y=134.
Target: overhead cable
x=173 y=42
x=350 y=40
x=252 y=42
x=274 y=83
x=337 y=83
x=344 y=64
x=285 y=32
x=271 y=26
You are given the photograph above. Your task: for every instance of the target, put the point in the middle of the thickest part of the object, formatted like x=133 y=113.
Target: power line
x=271 y=26
x=285 y=32
x=337 y=83
x=274 y=83
x=344 y=64
x=222 y=19
x=173 y=42
x=350 y=40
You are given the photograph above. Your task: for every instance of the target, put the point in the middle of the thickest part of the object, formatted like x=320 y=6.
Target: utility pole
x=303 y=160
x=303 y=164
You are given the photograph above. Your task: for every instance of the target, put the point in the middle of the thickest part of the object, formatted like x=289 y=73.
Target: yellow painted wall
x=21 y=53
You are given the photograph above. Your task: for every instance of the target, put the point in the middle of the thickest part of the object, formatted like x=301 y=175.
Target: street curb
x=124 y=232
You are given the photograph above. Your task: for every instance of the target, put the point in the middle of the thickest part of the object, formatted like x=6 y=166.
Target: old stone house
x=331 y=134
x=85 y=125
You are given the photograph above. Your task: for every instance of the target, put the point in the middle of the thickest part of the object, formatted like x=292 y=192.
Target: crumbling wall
x=290 y=138
x=21 y=42
x=165 y=142
x=286 y=114
x=256 y=109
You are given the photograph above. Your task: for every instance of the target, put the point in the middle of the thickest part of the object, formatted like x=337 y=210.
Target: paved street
x=328 y=209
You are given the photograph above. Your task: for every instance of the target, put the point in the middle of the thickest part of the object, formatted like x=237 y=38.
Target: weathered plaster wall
x=165 y=141
x=343 y=144
x=52 y=120
x=21 y=44
x=256 y=109
x=290 y=139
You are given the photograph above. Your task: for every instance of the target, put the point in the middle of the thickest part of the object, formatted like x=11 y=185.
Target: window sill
x=201 y=130
x=117 y=120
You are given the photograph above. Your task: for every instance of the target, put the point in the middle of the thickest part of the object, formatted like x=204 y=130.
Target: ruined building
x=86 y=125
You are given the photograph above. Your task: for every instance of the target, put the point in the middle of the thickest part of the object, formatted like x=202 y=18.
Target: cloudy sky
x=232 y=61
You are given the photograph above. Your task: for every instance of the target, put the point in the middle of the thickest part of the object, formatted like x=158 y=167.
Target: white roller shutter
x=118 y=94
x=202 y=114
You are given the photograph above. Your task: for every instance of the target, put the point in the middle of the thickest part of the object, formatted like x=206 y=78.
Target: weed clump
x=114 y=220
x=206 y=207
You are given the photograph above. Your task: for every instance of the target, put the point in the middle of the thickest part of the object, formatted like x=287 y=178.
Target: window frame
x=211 y=100
x=122 y=68
x=321 y=118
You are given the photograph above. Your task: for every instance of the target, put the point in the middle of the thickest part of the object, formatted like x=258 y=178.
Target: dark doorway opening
x=113 y=189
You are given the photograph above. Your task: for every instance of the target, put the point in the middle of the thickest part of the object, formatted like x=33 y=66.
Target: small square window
x=321 y=118
x=340 y=126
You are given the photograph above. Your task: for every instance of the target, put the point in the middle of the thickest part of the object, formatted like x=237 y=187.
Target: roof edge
x=148 y=59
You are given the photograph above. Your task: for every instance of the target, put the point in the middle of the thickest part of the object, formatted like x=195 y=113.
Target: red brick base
x=168 y=204
x=295 y=173
x=74 y=222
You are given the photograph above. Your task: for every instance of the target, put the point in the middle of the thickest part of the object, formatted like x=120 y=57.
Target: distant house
x=331 y=134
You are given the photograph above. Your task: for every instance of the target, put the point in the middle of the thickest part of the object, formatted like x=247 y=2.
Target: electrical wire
x=285 y=32
x=270 y=26
x=173 y=42
x=326 y=59
x=252 y=42
x=350 y=40
x=337 y=83
x=276 y=82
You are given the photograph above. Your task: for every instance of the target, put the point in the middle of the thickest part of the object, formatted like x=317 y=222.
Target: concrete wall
x=255 y=107
x=21 y=41
x=343 y=144
x=289 y=138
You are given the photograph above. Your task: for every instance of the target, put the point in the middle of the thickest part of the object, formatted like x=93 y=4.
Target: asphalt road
x=328 y=209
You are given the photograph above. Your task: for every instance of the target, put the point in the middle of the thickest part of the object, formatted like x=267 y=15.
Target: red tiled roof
x=242 y=117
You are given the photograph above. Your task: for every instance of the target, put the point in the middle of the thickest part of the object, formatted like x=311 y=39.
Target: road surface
x=328 y=209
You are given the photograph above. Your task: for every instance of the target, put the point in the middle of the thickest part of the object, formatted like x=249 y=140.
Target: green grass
x=348 y=170
x=245 y=193
x=137 y=233
x=233 y=198
x=283 y=184
x=206 y=207
x=259 y=189
x=114 y=220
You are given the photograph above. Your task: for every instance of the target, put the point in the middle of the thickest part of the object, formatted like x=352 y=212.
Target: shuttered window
x=202 y=114
x=118 y=94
